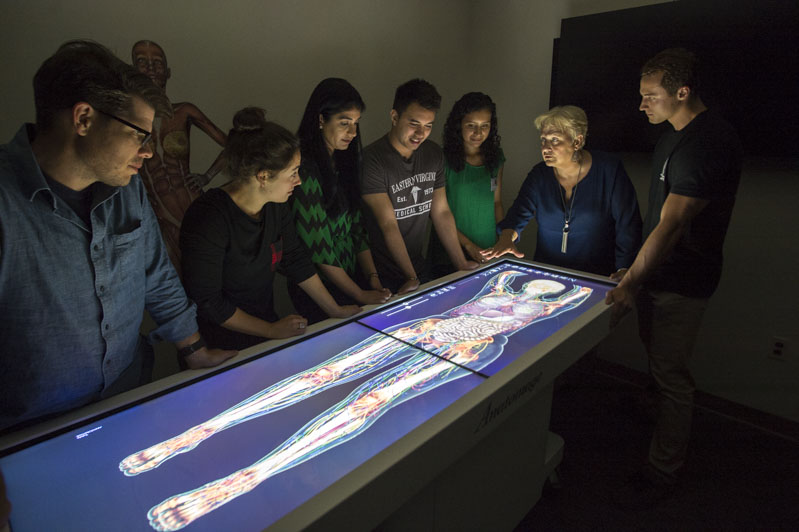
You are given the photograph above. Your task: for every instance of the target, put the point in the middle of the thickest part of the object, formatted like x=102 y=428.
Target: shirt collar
x=30 y=179
x=29 y=174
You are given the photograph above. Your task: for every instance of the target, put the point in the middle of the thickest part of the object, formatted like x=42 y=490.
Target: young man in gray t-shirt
x=402 y=183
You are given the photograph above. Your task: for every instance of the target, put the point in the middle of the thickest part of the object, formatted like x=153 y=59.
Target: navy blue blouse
x=605 y=226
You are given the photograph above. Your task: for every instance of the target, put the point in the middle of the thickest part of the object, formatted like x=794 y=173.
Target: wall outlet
x=779 y=348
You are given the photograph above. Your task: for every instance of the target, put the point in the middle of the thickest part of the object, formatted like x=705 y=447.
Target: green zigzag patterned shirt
x=335 y=242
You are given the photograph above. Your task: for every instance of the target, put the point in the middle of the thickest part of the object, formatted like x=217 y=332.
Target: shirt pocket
x=128 y=249
x=277 y=253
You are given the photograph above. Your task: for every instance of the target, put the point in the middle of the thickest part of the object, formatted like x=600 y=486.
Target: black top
x=230 y=259
x=80 y=201
x=703 y=160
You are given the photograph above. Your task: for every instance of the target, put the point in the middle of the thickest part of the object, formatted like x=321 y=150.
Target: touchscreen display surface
x=493 y=316
x=242 y=448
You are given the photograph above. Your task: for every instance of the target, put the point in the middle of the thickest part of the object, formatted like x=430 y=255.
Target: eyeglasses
x=147 y=134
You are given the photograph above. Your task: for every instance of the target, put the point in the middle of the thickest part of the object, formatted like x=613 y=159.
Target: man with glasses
x=81 y=255
x=145 y=135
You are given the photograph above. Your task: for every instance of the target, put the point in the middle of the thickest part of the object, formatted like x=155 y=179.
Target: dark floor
x=737 y=477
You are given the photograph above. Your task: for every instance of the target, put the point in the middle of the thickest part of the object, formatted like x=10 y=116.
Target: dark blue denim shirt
x=72 y=297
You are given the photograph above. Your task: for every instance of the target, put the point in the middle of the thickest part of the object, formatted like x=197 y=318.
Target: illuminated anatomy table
x=429 y=412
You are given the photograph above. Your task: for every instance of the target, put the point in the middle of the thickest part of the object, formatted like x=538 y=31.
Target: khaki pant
x=668 y=325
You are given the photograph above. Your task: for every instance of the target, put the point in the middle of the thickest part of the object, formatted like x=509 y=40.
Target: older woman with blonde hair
x=584 y=203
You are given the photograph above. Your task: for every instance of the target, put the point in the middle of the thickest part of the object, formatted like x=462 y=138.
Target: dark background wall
x=749 y=68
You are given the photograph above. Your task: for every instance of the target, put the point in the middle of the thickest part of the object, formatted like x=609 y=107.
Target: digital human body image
x=245 y=446
x=465 y=339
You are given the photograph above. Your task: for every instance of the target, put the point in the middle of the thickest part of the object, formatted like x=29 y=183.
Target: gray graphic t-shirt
x=409 y=184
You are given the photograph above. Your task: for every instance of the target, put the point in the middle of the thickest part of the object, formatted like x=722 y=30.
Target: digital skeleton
x=464 y=339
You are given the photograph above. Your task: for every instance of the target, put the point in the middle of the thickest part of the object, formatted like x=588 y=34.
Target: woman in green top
x=326 y=206
x=473 y=162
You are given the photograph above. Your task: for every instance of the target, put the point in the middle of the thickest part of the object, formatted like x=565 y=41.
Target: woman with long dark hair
x=327 y=205
x=234 y=238
x=473 y=162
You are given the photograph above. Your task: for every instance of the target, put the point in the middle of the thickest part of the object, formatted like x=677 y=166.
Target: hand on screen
x=208 y=358
x=409 y=286
x=291 y=325
x=374 y=297
x=502 y=247
x=622 y=298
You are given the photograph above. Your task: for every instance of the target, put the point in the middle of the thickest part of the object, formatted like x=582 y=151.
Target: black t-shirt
x=80 y=201
x=230 y=260
x=703 y=160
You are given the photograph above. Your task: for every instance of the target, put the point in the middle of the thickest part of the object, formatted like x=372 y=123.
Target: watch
x=183 y=352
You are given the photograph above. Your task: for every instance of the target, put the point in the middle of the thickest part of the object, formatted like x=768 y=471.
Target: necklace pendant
x=564 y=241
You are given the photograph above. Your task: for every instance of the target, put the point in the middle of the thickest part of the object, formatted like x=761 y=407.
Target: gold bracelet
x=373 y=274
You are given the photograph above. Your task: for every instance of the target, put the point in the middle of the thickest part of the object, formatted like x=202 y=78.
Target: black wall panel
x=749 y=69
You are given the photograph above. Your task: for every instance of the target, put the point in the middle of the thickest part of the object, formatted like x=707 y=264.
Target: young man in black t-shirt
x=695 y=174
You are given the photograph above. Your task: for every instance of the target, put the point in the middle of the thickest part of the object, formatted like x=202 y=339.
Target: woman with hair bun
x=584 y=202
x=234 y=238
x=473 y=162
x=326 y=206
